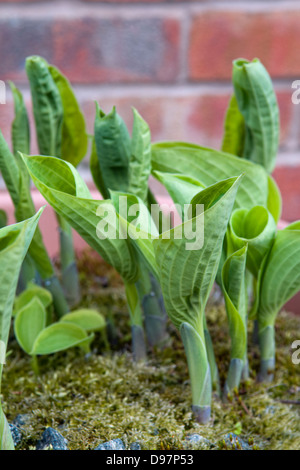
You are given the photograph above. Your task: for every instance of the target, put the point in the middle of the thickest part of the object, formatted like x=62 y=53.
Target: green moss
x=103 y=396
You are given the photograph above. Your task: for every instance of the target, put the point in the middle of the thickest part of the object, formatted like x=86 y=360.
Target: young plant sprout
x=123 y=163
x=187 y=276
x=60 y=129
x=252 y=121
x=37 y=335
x=278 y=282
x=17 y=182
x=67 y=193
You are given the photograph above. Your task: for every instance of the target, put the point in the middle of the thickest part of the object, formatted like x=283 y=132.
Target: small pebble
x=135 y=446
x=16 y=434
x=22 y=419
x=52 y=439
x=114 y=444
x=196 y=440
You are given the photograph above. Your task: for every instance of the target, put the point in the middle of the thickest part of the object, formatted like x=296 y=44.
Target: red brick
x=288 y=178
x=218 y=37
x=94 y=50
x=137 y=1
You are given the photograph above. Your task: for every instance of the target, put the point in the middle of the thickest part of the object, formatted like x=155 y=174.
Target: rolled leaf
x=234 y=290
x=258 y=104
x=140 y=158
x=20 y=126
x=74 y=140
x=113 y=145
x=234 y=130
x=257 y=229
x=47 y=106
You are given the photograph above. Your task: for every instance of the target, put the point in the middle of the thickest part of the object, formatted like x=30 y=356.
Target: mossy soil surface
x=95 y=398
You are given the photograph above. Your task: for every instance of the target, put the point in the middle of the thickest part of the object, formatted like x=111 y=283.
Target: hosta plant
x=120 y=162
x=64 y=189
x=14 y=243
x=38 y=335
x=17 y=182
x=252 y=120
x=187 y=272
x=60 y=129
x=278 y=282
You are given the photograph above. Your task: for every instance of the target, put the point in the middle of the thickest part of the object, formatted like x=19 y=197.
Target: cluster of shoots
x=256 y=265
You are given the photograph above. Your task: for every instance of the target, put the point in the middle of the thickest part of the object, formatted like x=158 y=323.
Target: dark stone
x=52 y=438
x=22 y=420
x=16 y=434
x=135 y=446
x=114 y=444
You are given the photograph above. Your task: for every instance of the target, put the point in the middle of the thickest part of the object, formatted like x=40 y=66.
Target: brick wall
x=170 y=59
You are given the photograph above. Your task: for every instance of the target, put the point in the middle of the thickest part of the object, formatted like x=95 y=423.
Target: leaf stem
x=266 y=337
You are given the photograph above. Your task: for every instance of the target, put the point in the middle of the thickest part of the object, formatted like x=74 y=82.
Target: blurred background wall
x=170 y=59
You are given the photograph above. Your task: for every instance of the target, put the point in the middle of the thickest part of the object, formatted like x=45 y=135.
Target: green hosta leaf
x=140 y=158
x=20 y=126
x=256 y=228
x=281 y=275
x=74 y=141
x=187 y=275
x=58 y=337
x=47 y=106
x=257 y=103
x=234 y=289
x=113 y=145
x=96 y=172
x=29 y=322
x=274 y=204
x=87 y=319
x=64 y=189
x=3 y=218
x=234 y=127
x=6 y=440
x=139 y=226
x=14 y=243
x=23 y=210
x=33 y=291
x=10 y=170
x=210 y=166
x=181 y=188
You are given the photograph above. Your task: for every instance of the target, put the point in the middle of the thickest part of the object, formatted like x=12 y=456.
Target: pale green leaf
x=63 y=188
x=234 y=290
x=87 y=319
x=29 y=322
x=209 y=166
x=20 y=126
x=281 y=276
x=59 y=337
x=234 y=130
x=74 y=141
x=140 y=158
